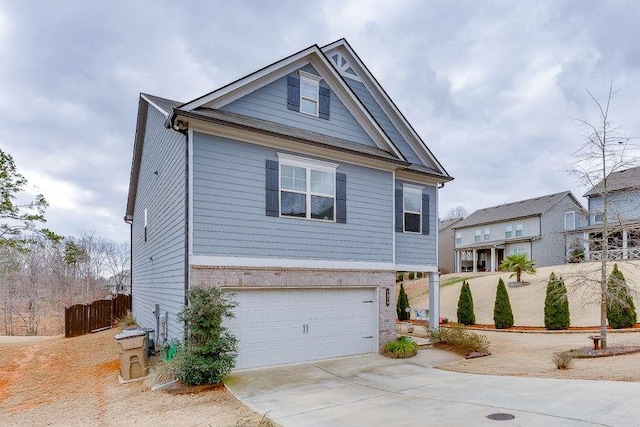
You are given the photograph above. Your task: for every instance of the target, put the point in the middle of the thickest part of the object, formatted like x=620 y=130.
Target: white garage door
x=279 y=326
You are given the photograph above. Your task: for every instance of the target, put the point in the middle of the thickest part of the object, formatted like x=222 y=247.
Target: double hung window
x=309 y=93
x=519 y=230
x=508 y=231
x=307 y=190
x=412 y=204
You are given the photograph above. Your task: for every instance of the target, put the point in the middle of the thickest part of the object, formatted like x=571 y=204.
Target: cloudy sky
x=491 y=86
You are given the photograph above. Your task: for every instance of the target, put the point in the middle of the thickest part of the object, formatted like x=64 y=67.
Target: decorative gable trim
x=154 y=105
x=314 y=56
x=385 y=102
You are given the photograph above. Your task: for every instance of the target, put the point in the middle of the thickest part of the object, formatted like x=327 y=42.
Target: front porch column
x=475 y=261
x=434 y=300
x=585 y=243
x=625 y=253
x=458 y=267
x=492 y=263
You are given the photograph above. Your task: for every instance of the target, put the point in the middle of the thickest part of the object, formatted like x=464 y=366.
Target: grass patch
x=455 y=279
x=162 y=372
x=129 y=319
x=563 y=360
x=460 y=340
x=401 y=348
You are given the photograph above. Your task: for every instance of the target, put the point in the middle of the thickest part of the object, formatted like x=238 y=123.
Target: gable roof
x=446 y=223
x=622 y=180
x=389 y=107
x=521 y=209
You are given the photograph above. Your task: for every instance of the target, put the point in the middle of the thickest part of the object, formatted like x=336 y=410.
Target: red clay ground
x=74 y=381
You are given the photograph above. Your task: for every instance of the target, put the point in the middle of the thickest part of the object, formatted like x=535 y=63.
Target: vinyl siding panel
x=530 y=228
x=622 y=205
x=385 y=123
x=419 y=249
x=270 y=103
x=159 y=263
x=229 y=205
x=551 y=248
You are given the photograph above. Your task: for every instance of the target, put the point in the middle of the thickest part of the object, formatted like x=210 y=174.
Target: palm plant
x=518 y=264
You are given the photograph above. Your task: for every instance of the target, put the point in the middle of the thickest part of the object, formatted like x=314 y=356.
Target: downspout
x=129 y=221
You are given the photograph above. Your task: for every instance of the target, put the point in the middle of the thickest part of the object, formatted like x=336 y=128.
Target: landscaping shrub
x=621 y=312
x=502 y=314
x=419 y=275
x=466 y=315
x=412 y=275
x=162 y=372
x=403 y=304
x=460 y=340
x=209 y=350
x=401 y=348
x=129 y=319
x=563 y=360
x=399 y=277
x=556 y=304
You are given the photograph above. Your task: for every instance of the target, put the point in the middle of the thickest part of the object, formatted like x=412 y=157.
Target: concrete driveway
x=373 y=390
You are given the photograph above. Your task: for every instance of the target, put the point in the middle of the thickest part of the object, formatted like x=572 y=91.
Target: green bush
x=399 y=277
x=401 y=348
x=621 y=312
x=460 y=340
x=419 y=275
x=556 y=304
x=403 y=304
x=466 y=315
x=209 y=350
x=412 y=275
x=502 y=314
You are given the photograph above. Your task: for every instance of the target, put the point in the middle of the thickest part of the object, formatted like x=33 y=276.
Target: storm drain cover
x=501 y=417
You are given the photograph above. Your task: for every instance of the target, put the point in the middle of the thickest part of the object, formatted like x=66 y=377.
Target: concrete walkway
x=374 y=390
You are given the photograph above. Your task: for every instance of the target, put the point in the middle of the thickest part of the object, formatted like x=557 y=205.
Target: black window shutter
x=399 y=210
x=341 y=198
x=293 y=93
x=325 y=100
x=272 y=188
x=425 y=213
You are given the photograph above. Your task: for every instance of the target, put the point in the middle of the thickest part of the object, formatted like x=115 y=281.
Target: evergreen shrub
x=466 y=315
x=502 y=313
x=556 y=304
x=403 y=304
x=621 y=312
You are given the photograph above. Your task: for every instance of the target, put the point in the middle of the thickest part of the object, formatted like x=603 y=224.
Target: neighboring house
x=446 y=248
x=301 y=189
x=120 y=283
x=536 y=227
x=623 y=218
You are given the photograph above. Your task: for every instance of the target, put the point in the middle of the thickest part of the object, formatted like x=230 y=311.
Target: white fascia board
x=387 y=105
x=231 y=261
x=424 y=268
x=284 y=144
x=154 y=105
x=417 y=179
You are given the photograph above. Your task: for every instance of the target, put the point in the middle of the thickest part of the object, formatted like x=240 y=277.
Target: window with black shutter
x=306 y=95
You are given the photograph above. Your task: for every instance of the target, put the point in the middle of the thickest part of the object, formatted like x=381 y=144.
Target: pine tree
x=502 y=314
x=403 y=304
x=465 y=306
x=556 y=304
x=621 y=312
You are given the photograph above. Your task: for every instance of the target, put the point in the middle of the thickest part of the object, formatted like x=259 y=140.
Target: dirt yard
x=74 y=381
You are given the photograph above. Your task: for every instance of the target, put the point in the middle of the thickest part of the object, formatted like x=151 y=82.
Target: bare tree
x=606 y=150
x=457 y=212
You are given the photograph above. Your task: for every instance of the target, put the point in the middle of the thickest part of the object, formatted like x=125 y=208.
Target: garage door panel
x=279 y=326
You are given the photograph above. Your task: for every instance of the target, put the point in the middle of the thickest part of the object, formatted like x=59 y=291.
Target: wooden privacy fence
x=82 y=319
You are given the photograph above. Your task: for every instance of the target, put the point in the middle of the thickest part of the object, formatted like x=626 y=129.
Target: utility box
x=132 y=348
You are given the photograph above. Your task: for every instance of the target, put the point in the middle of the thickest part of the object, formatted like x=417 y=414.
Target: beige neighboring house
x=537 y=227
x=623 y=214
x=446 y=249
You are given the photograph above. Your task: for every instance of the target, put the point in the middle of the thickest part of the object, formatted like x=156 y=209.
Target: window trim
x=595 y=215
x=308 y=164
x=413 y=189
x=520 y=228
x=508 y=231
x=574 y=220
x=478 y=236
x=458 y=238
x=486 y=234
x=145 y=224
x=312 y=80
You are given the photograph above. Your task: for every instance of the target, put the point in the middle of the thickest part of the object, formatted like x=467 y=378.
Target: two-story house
x=536 y=227
x=623 y=217
x=299 y=189
x=446 y=248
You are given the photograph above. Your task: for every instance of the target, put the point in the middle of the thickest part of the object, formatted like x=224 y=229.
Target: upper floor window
x=519 y=230
x=458 y=238
x=412 y=206
x=486 y=234
x=597 y=217
x=478 y=234
x=145 y=224
x=309 y=93
x=508 y=231
x=307 y=189
x=570 y=220
x=306 y=95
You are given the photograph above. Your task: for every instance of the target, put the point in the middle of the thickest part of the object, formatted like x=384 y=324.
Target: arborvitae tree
x=403 y=304
x=465 y=306
x=411 y=275
x=621 y=312
x=502 y=314
x=556 y=304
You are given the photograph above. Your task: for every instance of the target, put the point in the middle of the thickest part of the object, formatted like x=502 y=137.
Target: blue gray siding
x=158 y=269
x=622 y=205
x=385 y=123
x=551 y=248
x=270 y=103
x=229 y=210
x=419 y=249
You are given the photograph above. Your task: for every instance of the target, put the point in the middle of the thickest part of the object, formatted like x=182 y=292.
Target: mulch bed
x=178 y=388
x=617 y=350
